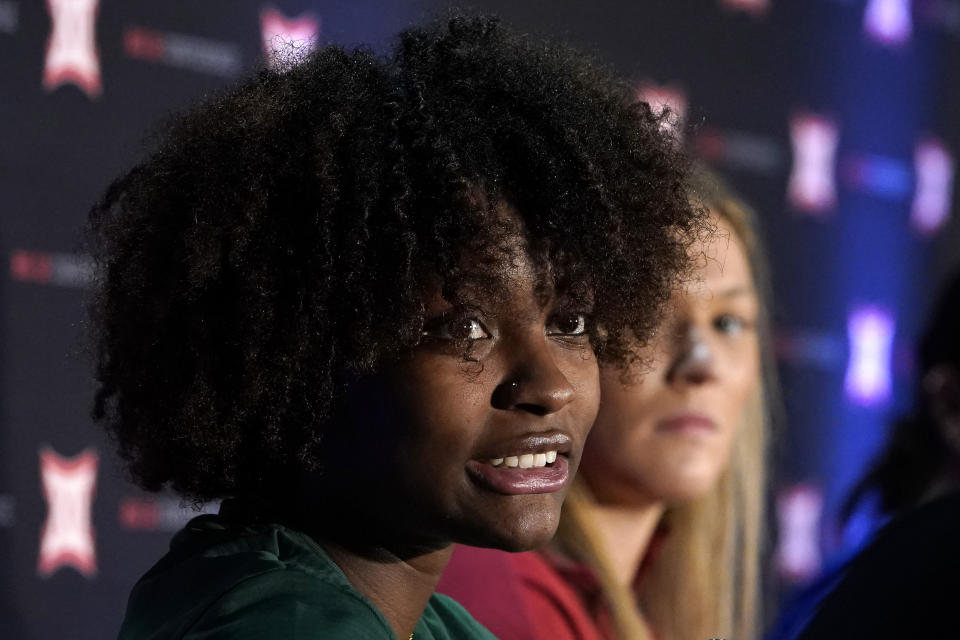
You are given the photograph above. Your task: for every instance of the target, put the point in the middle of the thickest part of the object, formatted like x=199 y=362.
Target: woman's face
x=475 y=435
x=665 y=434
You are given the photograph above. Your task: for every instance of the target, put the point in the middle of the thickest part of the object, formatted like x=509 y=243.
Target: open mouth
x=526 y=460
x=533 y=463
x=521 y=474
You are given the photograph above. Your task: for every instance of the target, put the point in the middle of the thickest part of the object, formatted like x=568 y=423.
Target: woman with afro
x=362 y=301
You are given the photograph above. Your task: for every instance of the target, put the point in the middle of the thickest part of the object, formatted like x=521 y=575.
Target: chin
x=532 y=528
x=686 y=488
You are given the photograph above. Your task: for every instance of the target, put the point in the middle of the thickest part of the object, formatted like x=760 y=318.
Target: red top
x=537 y=595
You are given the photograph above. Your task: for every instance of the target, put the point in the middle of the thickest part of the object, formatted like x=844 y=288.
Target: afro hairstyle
x=274 y=241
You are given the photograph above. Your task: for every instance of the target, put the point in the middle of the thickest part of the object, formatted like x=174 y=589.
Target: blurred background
x=836 y=119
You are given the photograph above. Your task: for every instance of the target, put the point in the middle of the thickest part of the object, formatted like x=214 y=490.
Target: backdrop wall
x=835 y=118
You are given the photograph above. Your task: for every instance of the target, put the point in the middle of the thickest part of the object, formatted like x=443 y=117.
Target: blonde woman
x=661 y=534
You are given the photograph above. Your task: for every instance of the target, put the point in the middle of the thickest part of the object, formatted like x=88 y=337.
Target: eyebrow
x=736 y=290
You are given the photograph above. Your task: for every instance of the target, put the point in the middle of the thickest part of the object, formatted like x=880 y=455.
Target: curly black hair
x=276 y=239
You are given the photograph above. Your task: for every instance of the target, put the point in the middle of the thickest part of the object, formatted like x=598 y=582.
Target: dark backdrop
x=835 y=118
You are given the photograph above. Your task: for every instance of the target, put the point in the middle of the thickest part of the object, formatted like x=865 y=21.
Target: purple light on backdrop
x=888 y=21
x=281 y=33
x=870 y=331
x=812 y=188
x=934 y=168
x=799 y=509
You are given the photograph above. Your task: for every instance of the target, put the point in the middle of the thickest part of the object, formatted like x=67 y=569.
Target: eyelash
x=473 y=329
x=582 y=320
x=719 y=321
x=440 y=329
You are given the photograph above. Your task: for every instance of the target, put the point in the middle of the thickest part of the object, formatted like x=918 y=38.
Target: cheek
x=619 y=441
x=443 y=408
x=741 y=379
x=582 y=372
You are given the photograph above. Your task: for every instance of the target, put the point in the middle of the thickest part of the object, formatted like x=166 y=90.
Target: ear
x=941 y=386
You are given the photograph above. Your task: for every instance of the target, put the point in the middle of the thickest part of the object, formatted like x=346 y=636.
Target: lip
x=530 y=443
x=517 y=481
x=687 y=424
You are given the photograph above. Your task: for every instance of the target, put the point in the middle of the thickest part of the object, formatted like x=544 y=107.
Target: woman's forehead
x=721 y=264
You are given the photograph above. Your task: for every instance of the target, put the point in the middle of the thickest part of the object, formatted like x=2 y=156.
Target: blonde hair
x=705 y=580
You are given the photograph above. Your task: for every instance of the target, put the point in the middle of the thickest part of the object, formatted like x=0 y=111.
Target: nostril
x=535 y=409
x=504 y=396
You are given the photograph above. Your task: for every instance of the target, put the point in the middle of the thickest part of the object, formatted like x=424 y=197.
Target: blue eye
x=730 y=324
x=568 y=324
x=458 y=329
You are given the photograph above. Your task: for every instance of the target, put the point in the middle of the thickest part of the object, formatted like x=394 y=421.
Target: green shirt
x=266 y=581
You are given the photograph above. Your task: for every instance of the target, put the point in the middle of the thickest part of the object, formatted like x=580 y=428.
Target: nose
x=693 y=361
x=533 y=384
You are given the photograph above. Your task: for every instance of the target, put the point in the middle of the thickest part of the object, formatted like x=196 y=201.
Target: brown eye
x=568 y=324
x=458 y=329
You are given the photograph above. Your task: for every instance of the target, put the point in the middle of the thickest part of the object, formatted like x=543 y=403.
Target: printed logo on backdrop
x=182 y=51
x=9 y=17
x=286 y=39
x=44 y=267
x=67 y=538
x=870 y=331
x=888 y=22
x=663 y=98
x=802 y=347
x=934 y=169
x=72 y=48
x=799 y=510
x=812 y=187
x=158 y=514
x=755 y=7
x=743 y=150
x=880 y=176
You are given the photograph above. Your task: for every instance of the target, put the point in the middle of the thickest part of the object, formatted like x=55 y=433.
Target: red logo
x=67 y=538
x=31 y=266
x=144 y=44
x=72 y=48
x=755 y=7
x=283 y=36
x=42 y=267
x=934 y=170
x=812 y=185
x=183 y=51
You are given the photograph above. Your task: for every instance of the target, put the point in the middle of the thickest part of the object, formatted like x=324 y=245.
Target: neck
x=625 y=534
x=398 y=587
x=396 y=572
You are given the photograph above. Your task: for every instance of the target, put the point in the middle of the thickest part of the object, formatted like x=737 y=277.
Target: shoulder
x=219 y=582
x=288 y=603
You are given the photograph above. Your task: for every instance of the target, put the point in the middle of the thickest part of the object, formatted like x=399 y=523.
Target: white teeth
x=527 y=460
